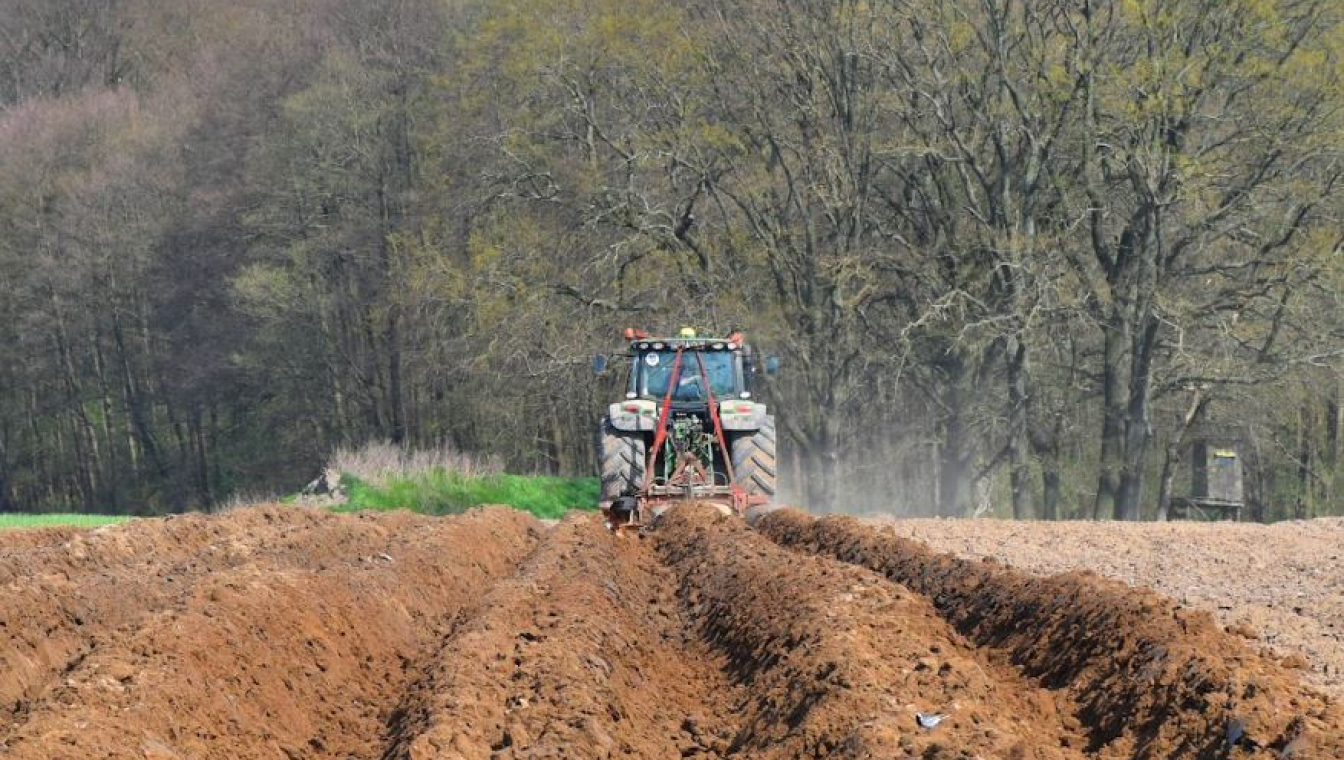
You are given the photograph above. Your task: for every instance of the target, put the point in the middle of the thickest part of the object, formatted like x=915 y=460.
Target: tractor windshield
x=656 y=372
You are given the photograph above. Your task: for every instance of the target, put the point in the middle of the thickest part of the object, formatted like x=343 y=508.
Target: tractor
x=689 y=429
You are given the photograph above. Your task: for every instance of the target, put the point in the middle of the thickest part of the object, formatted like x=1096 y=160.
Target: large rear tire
x=620 y=462
x=754 y=460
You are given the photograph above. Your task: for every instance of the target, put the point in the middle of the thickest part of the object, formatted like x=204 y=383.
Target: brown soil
x=839 y=660
x=284 y=634
x=1279 y=586
x=583 y=653
x=63 y=588
x=1151 y=680
x=278 y=632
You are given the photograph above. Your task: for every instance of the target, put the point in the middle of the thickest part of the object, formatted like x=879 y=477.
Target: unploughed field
x=280 y=632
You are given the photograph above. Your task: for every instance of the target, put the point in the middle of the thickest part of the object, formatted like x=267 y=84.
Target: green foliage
x=46 y=521
x=440 y=492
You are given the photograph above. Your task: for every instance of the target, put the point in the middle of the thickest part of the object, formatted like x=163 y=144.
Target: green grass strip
x=440 y=492
x=9 y=520
x=435 y=492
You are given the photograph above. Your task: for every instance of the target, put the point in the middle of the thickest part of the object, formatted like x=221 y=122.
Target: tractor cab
x=709 y=369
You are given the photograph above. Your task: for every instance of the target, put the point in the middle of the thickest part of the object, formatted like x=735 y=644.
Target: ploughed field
x=277 y=632
x=1280 y=586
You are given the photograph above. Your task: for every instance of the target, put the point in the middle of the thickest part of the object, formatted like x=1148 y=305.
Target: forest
x=1015 y=256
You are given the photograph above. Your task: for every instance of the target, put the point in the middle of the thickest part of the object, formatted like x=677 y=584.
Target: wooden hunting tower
x=1217 y=482
x=1217 y=472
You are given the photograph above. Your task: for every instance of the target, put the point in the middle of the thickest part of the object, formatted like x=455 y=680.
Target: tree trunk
x=1301 y=508
x=375 y=372
x=212 y=441
x=396 y=402
x=135 y=404
x=1130 y=498
x=1045 y=444
x=1114 y=382
x=563 y=463
x=63 y=488
x=1019 y=463
x=1333 y=412
x=84 y=437
x=42 y=470
x=331 y=343
x=1169 y=465
x=111 y=475
x=1175 y=446
x=822 y=460
x=1138 y=424
x=1259 y=478
x=1050 y=496
x=6 y=500
x=202 y=459
x=954 y=470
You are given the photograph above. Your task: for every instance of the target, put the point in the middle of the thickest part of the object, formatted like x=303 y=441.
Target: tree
x=1203 y=120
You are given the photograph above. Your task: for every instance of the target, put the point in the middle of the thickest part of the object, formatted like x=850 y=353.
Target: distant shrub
x=380 y=462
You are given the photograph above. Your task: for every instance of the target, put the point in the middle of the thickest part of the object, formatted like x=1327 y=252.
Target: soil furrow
x=268 y=659
x=582 y=654
x=65 y=591
x=1281 y=585
x=288 y=633
x=838 y=662
x=1150 y=680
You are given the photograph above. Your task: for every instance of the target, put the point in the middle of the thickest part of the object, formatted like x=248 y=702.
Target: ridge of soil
x=839 y=660
x=582 y=653
x=266 y=660
x=282 y=632
x=1151 y=680
x=64 y=590
x=1280 y=586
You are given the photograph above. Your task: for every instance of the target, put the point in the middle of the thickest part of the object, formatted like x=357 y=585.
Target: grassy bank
x=431 y=492
x=441 y=492
x=44 y=521
x=382 y=476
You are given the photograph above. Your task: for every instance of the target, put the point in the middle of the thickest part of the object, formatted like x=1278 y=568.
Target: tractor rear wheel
x=620 y=462
x=754 y=461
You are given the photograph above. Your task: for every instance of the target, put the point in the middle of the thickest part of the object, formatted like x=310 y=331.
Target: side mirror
x=772 y=365
x=599 y=364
